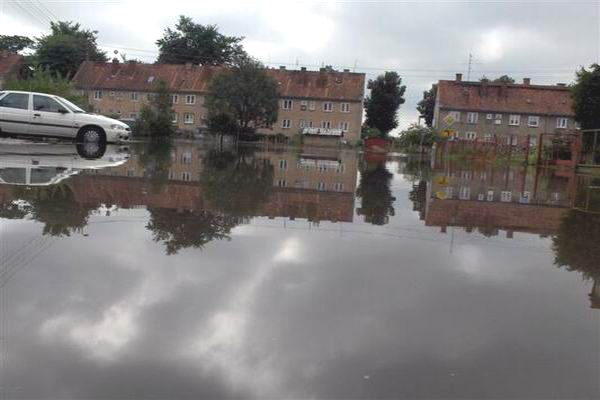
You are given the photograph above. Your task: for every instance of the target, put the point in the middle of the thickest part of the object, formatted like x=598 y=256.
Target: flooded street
x=181 y=271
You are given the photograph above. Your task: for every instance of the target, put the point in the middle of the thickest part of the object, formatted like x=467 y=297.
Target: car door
x=15 y=113
x=50 y=118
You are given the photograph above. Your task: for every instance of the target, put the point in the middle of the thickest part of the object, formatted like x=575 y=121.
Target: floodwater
x=179 y=271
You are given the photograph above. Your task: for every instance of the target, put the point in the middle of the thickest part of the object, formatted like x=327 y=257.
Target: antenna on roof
x=355 y=62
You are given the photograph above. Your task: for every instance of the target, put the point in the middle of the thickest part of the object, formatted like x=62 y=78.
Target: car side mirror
x=62 y=111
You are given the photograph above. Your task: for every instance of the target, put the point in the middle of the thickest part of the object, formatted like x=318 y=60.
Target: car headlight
x=118 y=127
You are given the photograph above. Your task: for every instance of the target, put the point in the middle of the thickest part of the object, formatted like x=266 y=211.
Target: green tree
x=198 y=44
x=426 y=106
x=44 y=81
x=66 y=47
x=502 y=79
x=415 y=136
x=245 y=94
x=382 y=105
x=156 y=118
x=14 y=43
x=586 y=97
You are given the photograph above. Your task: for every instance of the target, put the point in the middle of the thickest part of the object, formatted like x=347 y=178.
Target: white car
x=46 y=115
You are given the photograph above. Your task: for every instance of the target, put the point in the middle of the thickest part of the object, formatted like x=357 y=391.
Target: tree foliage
x=198 y=44
x=245 y=94
x=586 y=97
x=156 y=118
x=384 y=101
x=426 y=106
x=415 y=136
x=501 y=79
x=66 y=47
x=576 y=244
x=14 y=43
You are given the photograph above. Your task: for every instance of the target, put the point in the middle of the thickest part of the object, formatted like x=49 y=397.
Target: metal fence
x=590 y=147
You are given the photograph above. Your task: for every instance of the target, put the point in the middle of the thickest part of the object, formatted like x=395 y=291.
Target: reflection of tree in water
x=375 y=193
x=14 y=210
x=576 y=244
x=236 y=184
x=418 y=196
x=155 y=157
x=56 y=207
x=179 y=230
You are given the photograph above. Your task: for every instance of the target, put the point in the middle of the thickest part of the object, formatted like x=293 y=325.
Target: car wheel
x=91 y=151
x=91 y=134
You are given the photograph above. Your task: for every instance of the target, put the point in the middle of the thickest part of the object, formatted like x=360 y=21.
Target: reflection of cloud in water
x=222 y=343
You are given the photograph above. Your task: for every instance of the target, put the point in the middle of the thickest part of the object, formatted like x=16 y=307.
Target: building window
x=286 y=123
x=533 y=121
x=281 y=183
x=303 y=105
x=149 y=96
x=312 y=106
x=506 y=196
x=470 y=135
x=472 y=117
x=489 y=116
x=326 y=124
x=133 y=115
x=514 y=120
x=562 y=123
x=175 y=117
x=512 y=140
x=134 y=96
x=98 y=95
x=174 y=98
x=338 y=187
x=455 y=115
x=111 y=93
x=190 y=99
x=283 y=164
x=327 y=106
x=302 y=123
x=287 y=104
x=171 y=175
x=188 y=118
x=464 y=193
x=344 y=126
x=532 y=141
x=186 y=158
x=321 y=186
x=487 y=137
x=345 y=107
x=186 y=176
x=498 y=119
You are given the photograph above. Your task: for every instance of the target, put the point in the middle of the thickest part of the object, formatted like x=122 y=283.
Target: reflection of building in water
x=317 y=186
x=492 y=198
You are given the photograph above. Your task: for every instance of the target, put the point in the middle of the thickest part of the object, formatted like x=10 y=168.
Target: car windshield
x=72 y=107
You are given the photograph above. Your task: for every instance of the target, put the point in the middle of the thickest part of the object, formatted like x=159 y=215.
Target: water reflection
x=189 y=272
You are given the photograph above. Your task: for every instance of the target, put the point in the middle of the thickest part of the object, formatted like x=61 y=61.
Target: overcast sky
x=423 y=41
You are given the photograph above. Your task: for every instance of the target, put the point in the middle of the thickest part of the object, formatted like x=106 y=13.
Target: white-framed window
x=321 y=186
x=186 y=176
x=514 y=120
x=312 y=106
x=533 y=121
x=525 y=197
x=174 y=98
x=344 y=126
x=489 y=116
x=455 y=115
x=470 y=135
x=303 y=105
x=338 y=187
x=98 y=95
x=562 y=122
x=490 y=195
x=487 y=137
x=481 y=196
x=345 y=107
x=172 y=175
x=464 y=193
x=186 y=157
x=327 y=106
x=119 y=95
x=190 y=99
x=149 y=96
x=472 y=117
x=498 y=119
x=283 y=164
x=287 y=104
x=326 y=124
x=281 y=183
x=533 y=140
x=512 y=140
x=506 y=196
x=175 y=118
x=188 y=118
x=111 y=93
x=134 y=96
x=302 y=123
x=286 y=123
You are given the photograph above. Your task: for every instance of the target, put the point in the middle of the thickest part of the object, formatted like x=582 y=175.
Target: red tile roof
x=194 y=78
x=9 y=63
x=493 y=97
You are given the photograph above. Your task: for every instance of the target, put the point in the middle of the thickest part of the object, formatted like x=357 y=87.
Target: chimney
x=458 y=77
x=346 y=70
x=526 y=81
x=322 y=69
x=282 y=67
x=115 y=60
x=302 y=68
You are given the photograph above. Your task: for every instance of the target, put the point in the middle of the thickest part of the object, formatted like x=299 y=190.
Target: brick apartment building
x=328 y=101
x=502 y=113
x=10 y=66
